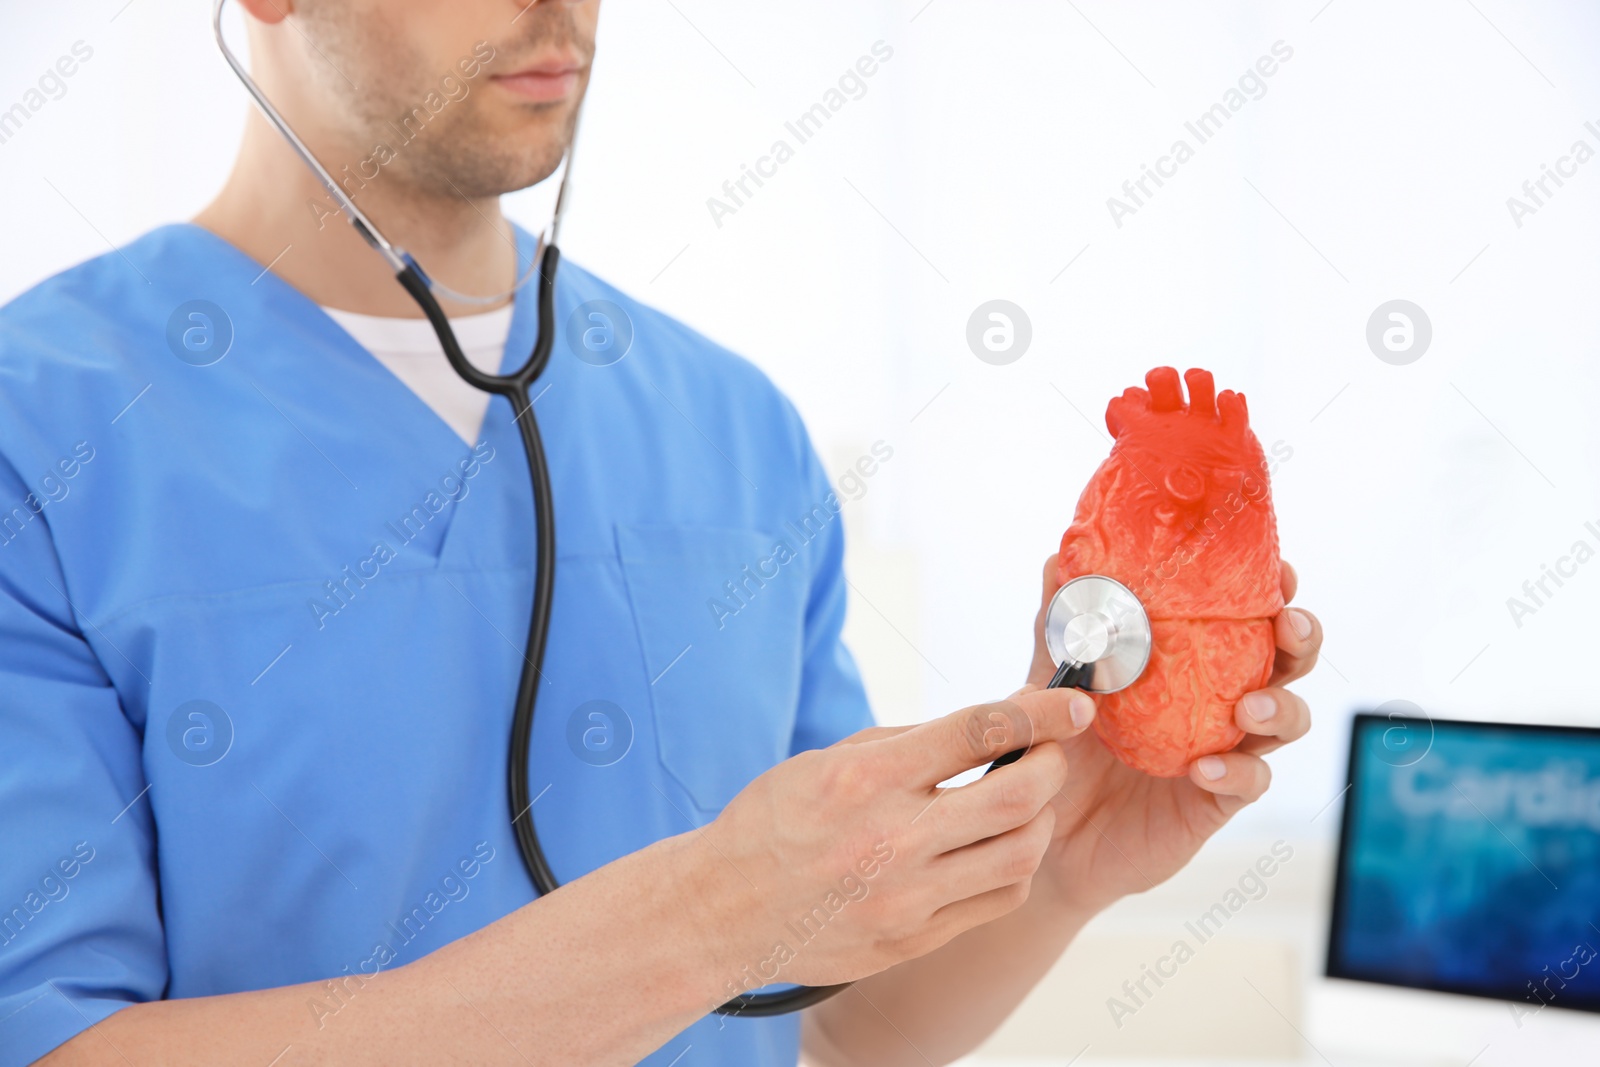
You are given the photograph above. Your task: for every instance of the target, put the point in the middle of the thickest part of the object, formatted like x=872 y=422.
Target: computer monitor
x=1469 y=861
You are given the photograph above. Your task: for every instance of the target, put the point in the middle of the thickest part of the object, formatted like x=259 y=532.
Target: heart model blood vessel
x=1181 y=513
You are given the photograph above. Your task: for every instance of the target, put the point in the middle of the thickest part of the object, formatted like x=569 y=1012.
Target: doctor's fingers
x=1042 y=666
x=972 y=737
x=995 y=863
x=1298 y=636
x=1052 y=564
x=1273 y=718
x=1288 y=580
x=1235 y=778
x=872 y=733
x=957 y=918
x=999 y=802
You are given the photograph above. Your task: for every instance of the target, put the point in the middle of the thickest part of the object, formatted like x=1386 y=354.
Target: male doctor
x=265 y=567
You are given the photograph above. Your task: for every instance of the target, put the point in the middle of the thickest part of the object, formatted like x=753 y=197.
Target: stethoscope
x=1095 y=628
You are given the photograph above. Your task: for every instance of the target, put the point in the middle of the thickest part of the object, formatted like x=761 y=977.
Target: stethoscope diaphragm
x=1098 y=634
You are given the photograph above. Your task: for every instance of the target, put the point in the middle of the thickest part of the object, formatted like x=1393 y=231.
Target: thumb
x=972 y=737
x=1056 y=714
x=1043 y=667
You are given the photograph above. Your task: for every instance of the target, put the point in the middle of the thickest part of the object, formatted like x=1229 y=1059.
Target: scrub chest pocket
x=721 y=623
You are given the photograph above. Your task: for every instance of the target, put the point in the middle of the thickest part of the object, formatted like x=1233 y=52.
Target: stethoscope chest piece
x=1096 y=629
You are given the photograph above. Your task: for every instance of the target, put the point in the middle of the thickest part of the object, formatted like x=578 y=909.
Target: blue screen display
x=1469 y=861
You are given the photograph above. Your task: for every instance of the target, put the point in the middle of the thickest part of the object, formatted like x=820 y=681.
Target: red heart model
x=1181 y=513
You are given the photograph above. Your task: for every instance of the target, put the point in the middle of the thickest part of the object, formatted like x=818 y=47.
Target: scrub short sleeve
x=80 y=931
x=833 y=703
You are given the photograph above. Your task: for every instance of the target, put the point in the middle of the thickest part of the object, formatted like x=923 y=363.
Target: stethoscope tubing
x=517 y=388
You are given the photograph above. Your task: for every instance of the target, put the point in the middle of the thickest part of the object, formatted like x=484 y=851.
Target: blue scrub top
x=261 y=620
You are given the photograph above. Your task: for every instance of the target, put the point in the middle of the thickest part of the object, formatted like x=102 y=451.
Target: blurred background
x=1417 y=487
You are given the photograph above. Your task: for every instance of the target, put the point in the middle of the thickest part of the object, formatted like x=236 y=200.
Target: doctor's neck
x=424 y=118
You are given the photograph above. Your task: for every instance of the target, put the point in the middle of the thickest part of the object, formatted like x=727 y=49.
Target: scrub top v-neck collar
x=297 y=306
x=410 y=349
x=417 y=440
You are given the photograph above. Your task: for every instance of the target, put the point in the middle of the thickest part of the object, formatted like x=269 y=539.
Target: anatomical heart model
x=1181 y=513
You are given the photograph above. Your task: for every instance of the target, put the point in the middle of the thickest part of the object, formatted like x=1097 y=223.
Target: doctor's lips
x=547 y=80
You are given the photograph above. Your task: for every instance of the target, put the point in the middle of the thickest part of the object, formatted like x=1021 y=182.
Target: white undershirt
x=411 y=352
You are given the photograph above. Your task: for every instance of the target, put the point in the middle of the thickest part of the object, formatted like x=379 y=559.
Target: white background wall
x=1377 y=166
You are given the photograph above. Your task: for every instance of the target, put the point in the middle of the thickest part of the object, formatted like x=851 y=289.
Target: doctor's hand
x=852 y=860
x=1120 y=831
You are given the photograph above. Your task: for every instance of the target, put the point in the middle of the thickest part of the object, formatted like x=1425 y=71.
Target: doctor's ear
x=270 y=12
